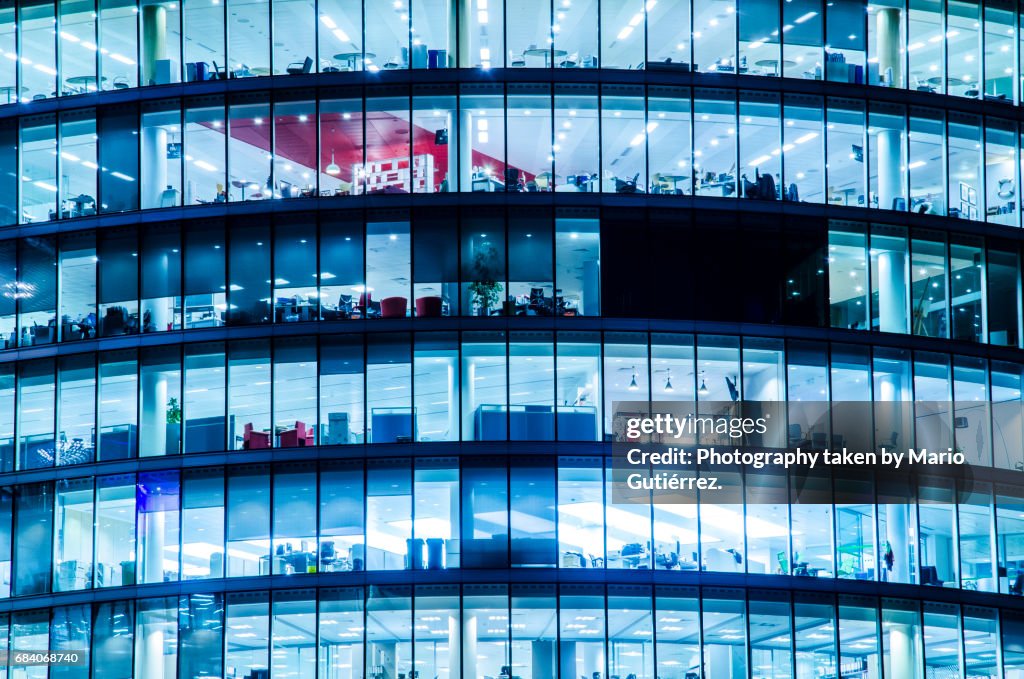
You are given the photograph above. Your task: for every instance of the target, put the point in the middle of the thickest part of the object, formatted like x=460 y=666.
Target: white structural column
x=889 y=141
x=897 y=536
x=153 y=419
x=889 y=149
x=461 y=9
x=151 y=663
x=465 y=151
x=153 y=550
x=160 y=314
x=453 y=152
x=469 y=659
x=154 y=40
x=888 y=414
x=890 y=64
x=901 y=650
x=454 y=648
x=154 y=161
x=542 y=657
x=892 y=291
x=455 y=9
x=453 y=404
x=591 y=298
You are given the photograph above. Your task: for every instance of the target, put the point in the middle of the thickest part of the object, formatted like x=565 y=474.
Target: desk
x=951 y=82
x=11 y=89
x=292 y=312
x=535 y=423
x=726 y=188
x=86 y=83
x=846 y=193
x=774 y=64
x=80 y=202
x=487 y=184
x=75 y=330
x=545 y=52
x=290 y=563
x=587 y=185
x=244 y=184
x=674 y=179
x=353 y=59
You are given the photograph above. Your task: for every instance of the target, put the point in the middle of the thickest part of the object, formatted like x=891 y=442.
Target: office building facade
x=314 y=314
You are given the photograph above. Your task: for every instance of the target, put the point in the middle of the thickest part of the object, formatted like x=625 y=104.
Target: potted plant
x=486 y=291
x=173 y=435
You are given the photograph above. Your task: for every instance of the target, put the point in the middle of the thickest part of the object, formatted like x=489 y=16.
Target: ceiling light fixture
x=332 y=168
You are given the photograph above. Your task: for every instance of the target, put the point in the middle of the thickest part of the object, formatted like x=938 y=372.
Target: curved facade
x=314 y=317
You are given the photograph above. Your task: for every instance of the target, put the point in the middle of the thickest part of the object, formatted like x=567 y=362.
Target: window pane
x=77 y=163
x=295 y=412
x=342 y=547
x=73 y=527
x=204 y=397
x=118 y=403
x=205 y=298
x=623 y=133
x=341 y=631
x=294 y=545
x=724 y=633
x=248 y=526
x=76 y=410
x=845 y=162
x=294 y=633
x=36 y=414
x=161 y=278
x=436 y=364
x=158 y=499
x=115 y=623
x=156 y=637
x=202 y=524
x=714 y=154
x=388 y=515
x=389 y=389
x=201 y=624
x=115 y=531
x=858 y=633
x=577 y=144
x=296 y=298
x=249 y=395
x=118 y=282
x=248 y=278
x=341 y=390
x=161 y=133
x=160 y=402
x=205 y=153
x=580 y=519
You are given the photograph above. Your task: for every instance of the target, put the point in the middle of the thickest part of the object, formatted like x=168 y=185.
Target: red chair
x=393 y=307
x=255 y=440
x=429 y=306
x=300 y=436
x=365 y=300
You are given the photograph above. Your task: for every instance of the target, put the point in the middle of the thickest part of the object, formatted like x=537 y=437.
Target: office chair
x=734 y=393
x=1017 y=586
x=749 y=187
x=930 y=576
x=298 y=68
x=626 y=186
